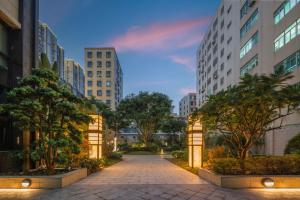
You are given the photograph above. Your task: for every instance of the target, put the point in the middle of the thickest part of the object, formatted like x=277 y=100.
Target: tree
x=293 y=146
x=145 y=110
x=172 y=126
x=41 y=104
x=44 y=61
x=246 y=112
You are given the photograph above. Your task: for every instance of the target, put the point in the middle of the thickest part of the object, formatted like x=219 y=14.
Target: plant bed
x=183 y=164
x=250 y=181
x=42 y=181
x=142 y=153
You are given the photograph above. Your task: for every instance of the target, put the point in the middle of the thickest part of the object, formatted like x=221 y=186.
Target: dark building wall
x=21 y=58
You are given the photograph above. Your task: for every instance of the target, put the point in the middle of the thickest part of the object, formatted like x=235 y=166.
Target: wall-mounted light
x=268 y=182
x=26 y=183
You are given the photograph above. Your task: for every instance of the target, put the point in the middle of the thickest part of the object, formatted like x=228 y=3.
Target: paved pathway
x=146 y=177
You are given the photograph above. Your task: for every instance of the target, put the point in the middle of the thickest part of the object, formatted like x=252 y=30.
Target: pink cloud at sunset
x=159 y=36
x=185 y=91
x=186 y=61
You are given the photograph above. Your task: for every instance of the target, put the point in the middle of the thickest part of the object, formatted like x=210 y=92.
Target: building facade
x=268 y=37
x=47 y=44
x=74 y=76
x=18 y=55
x=103 y=76
x=187 y=105
x=217 y=56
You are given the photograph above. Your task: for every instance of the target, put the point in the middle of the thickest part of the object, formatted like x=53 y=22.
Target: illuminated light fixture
x=26 y=183
x=268 y=182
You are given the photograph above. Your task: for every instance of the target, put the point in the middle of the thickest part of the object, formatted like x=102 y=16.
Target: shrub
x=92 y=165
x=271 y=165
x=115 y=155
x=124 y=147
x=177 y=154
x=293 y=146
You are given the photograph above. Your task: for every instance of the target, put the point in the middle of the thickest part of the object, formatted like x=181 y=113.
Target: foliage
x=139 y=147
x=293 y=146
x=245 y=113
x=173 y=125
x=92 y=165
x=183 y=164
x=274 y=165
x=115 y=155
x=180 y=154
x=41 y=104
x=44 y=61
x=145 y=110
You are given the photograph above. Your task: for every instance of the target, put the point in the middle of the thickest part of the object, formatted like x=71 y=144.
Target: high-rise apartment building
x=268 y=37
x=187 y=105
x=18 y=55
x=49 y=46
x=103 y=75
x=74 y=76
x=218 y=55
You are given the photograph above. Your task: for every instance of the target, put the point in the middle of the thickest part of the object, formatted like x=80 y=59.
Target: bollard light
x=268 y=182
x=26 y=183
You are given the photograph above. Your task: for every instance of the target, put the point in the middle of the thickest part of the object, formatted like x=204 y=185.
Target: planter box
x=249 y=181
x=43 y=182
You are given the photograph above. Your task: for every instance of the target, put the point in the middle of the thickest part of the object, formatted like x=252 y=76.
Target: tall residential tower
x=103 y=75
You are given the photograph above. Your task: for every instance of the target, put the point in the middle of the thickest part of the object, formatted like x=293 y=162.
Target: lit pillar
x=195 y=142
x=95 y=136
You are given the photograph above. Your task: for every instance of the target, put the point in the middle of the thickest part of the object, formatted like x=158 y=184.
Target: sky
x=156 y=40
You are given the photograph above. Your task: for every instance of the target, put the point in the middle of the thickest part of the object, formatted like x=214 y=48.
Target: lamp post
x=95 y=138
x=195 y=142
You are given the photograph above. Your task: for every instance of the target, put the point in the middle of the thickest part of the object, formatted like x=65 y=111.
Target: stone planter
x=43 y=182
x=249 y=181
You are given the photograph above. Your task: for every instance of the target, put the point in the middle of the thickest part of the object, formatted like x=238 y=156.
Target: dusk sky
x=156 y=40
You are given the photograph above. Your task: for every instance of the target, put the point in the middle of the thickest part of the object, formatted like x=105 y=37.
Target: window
x=99 y=54
x=215 y=61
x=222 y=67
x=222 y=52
x=108 y=54
x=108 y=74
x=222 y=10
x=89 y=54
x=228 y=25
x=229 y=9
x=215 y=87
x=99 y=92
x=108 y=93
x=108 y=83
x=222 y=38
x=108 y=64
x=3 y=47
x=90 y=64
x=249 y=23
x=99 y=64
x=90 y=74
x=222 y=23
x=283 y=9
x=90 y=83
x=253 y=62
x=90 y=92
x=222 y=81
x=108 y=102
x=245 y=8
x=249 y=45
x=228 y=56
x=290 y=33
x=208 y=81
x=99 y=83
x=229 y=72
x=229 y=40
x=290 y=63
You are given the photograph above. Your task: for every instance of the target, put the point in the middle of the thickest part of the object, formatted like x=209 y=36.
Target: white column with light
x=195 y=142
x=95 y=137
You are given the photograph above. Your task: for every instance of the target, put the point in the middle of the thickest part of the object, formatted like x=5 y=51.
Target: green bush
x=268 y=165
x=293 y=146
x=115 y=155
x=92 y=165
x=138 y=147
x=180 y=154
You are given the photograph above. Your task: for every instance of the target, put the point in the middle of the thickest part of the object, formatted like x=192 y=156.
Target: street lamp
x=95 y=136
x=195 y=142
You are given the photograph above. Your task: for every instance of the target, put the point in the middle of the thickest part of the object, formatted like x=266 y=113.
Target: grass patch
x=183 y=164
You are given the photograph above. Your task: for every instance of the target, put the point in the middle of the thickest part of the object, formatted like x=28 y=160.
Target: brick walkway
x=146 y=177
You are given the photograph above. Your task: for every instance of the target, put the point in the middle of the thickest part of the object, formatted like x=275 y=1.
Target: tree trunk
x=26 y=149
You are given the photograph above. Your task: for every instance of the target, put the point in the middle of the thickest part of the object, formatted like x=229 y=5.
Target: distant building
x=187 y=105
x=48 y=45
x=18 y=56
x=74 y=76
x=103 y=75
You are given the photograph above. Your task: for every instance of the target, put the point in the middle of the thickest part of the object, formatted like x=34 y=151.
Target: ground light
x=268 y=182
x=26 y=183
